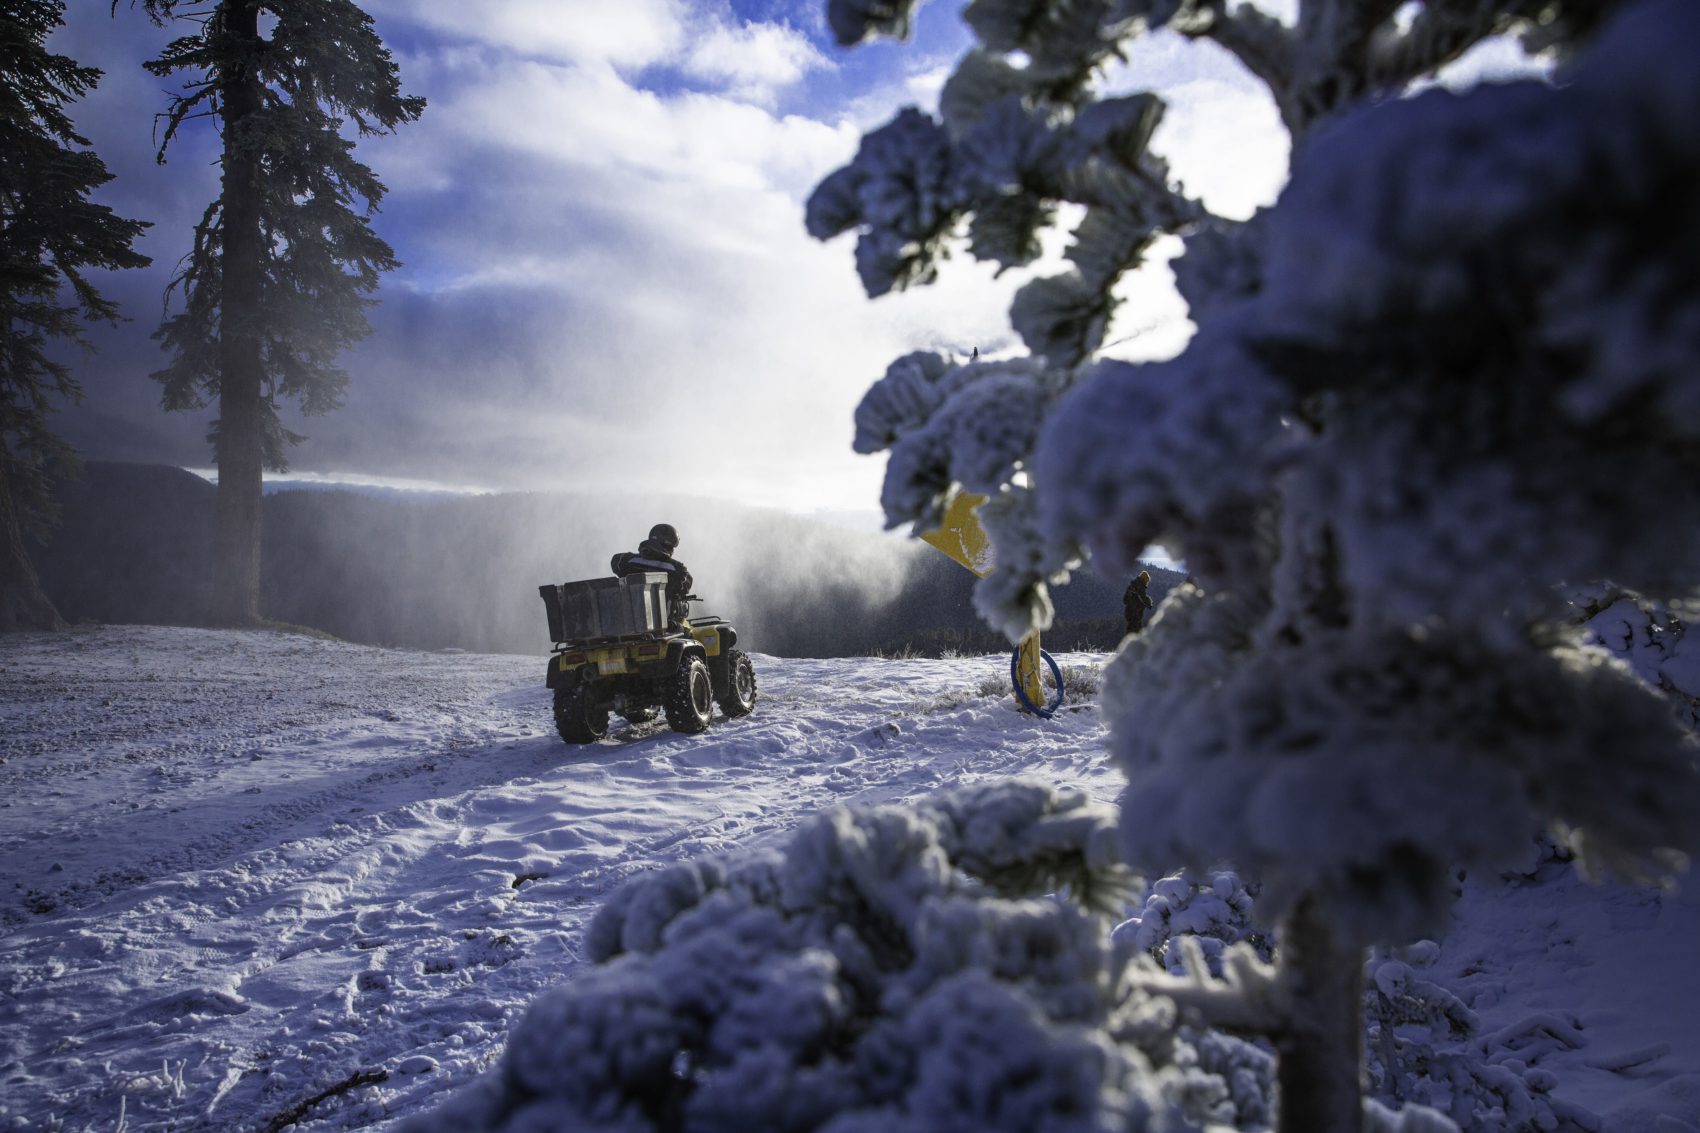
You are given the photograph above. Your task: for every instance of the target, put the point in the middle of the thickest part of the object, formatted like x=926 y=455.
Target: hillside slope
x=259 y=878
x=434 y=571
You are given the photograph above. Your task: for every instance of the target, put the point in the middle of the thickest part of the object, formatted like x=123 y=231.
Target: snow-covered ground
x=256 y=879
x=245 y=868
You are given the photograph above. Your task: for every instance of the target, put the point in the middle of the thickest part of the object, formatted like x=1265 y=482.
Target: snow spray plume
x=473 y=565
x=439 y=570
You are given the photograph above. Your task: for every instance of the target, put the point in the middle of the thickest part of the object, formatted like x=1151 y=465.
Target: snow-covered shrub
x=1081 y=683
x=1215 y=911
x=888 y=969
x=1654 y=641
x=1423 y=1045
x=1185 y=925
x=1450 y=376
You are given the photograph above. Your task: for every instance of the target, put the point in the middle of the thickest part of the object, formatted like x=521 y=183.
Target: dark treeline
x=935 y=614
x=52 y=232
x=439 y=571
x=280 y=267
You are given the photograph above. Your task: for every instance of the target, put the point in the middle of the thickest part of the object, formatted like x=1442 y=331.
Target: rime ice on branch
x=1450 y=377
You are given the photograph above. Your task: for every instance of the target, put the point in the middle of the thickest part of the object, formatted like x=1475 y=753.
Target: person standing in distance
x=1136 y=600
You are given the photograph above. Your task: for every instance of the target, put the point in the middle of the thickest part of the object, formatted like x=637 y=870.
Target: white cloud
x=658 y=235
x=639 y=264
x=621 y=33
x=1225 y=146
x=641 y=150
x=925 y=87
x=1221 y=133
x=600 y=223
x=753 y=61
x=708 y=45
x=919 y=85
x=1497 y=59
x=1287 y=11
x=600 y=216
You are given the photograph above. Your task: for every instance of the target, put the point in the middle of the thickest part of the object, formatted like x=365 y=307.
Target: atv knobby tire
x=644 y=715
x=577 y=716
x=690 y=696
x=737 y=692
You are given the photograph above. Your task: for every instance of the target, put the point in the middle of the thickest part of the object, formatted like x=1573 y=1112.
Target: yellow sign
x=1027 y=670
x=962 y=538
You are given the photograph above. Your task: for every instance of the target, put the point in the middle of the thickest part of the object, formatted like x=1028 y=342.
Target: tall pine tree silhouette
x=50 y=232
x=284 y=258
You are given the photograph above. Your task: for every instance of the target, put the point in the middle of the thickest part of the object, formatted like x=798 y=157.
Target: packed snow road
x=258 y=879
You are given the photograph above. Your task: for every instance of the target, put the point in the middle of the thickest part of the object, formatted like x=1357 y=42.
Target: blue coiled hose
x=1049 y=710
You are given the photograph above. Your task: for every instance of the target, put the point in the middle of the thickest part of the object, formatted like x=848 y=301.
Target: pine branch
x=1249 y=999
x=1441 y=32
x=302 y=1108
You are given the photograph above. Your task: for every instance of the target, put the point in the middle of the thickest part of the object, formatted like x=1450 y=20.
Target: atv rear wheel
x=690 y=696
x=636 y=715
x=578 y=717
x=737 y=692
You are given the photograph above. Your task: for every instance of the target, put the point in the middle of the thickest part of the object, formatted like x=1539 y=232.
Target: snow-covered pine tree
x=1424 y=1045
x=51 y=233
x=1392 y=368
x=276 y=282
x=1454 y=371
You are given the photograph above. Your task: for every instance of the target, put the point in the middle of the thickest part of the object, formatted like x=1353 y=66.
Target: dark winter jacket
x=1135 y=601
x=652 y=556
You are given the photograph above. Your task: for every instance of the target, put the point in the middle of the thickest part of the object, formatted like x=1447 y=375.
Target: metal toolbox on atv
x=606 y=607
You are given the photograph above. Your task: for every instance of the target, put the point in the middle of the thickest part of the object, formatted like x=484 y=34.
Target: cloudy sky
x=605 y=277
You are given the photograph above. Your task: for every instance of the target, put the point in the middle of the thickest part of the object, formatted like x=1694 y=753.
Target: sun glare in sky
x=605 y=280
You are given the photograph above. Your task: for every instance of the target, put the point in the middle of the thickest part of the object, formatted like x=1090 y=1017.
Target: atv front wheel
x=578 y=717
x=737 y=694
x=690 y=696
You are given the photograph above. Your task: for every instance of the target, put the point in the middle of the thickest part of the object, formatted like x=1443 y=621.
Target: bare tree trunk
x=1319 y=1054
x=241 y=425
x=23 y=604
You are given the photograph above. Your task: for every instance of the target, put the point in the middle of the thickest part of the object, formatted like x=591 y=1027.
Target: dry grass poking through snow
x=1082 y=682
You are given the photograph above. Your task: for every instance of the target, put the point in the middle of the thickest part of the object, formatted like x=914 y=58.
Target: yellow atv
x=617 y=651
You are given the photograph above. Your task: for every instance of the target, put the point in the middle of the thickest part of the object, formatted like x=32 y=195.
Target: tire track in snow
x=403 y=913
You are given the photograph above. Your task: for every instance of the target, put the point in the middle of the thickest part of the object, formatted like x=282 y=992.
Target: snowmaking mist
x=433 y=571
x=464 y=572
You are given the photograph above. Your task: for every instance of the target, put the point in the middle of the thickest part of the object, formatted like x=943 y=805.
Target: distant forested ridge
x=429 y=571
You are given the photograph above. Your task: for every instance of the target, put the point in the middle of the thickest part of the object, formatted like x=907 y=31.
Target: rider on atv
x=656 y=554
x=612 y=654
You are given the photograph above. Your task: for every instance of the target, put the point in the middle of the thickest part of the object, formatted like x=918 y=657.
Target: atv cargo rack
x=606 y=607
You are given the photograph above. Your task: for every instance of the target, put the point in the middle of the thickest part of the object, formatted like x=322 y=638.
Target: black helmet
x=664 y=534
